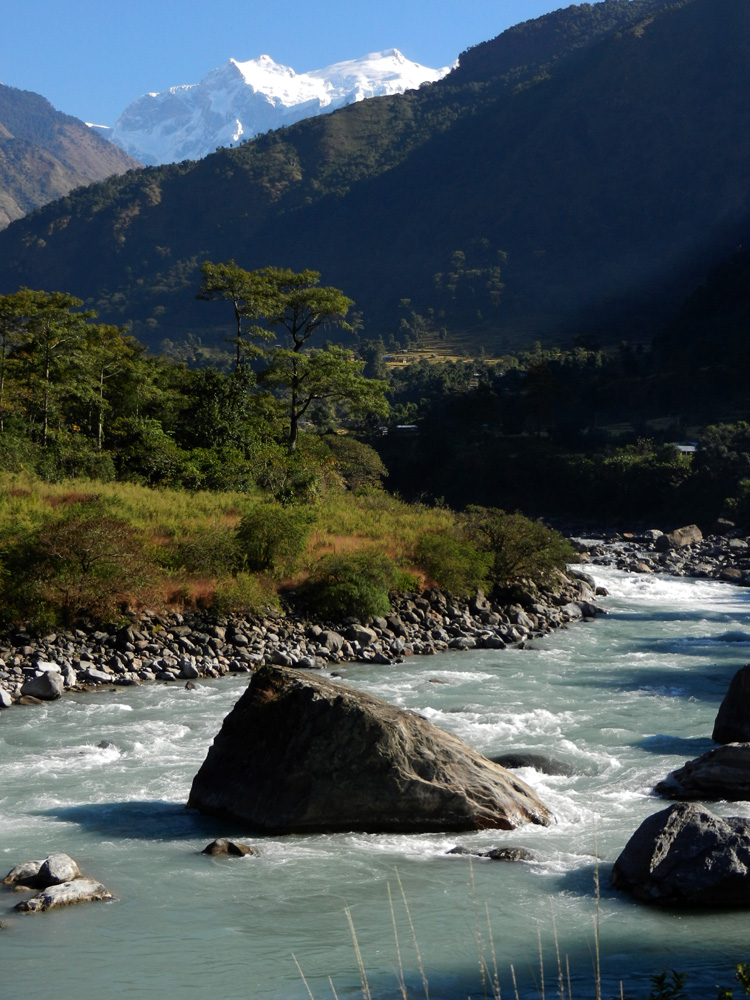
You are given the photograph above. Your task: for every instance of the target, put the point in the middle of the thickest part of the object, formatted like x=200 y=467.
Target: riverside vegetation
x=269 y=476
x=254 y=514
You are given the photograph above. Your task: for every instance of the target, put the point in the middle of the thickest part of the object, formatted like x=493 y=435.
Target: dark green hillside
x=706 y=348
x=579 y=172
x=44 y=154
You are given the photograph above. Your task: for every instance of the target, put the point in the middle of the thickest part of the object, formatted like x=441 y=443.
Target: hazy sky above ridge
x=91 y=58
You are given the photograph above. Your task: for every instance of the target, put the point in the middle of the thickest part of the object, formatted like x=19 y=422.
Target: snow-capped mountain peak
x=241 y=99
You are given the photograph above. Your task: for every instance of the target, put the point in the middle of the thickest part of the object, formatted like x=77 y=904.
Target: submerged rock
x=686 y=856
x=299 y=753
x=722 y=773
x=539 y=761
x=230 y=847
x=497 y=853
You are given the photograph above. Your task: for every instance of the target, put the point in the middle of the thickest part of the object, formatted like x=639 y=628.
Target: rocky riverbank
x=153 y=647
x=723 y=554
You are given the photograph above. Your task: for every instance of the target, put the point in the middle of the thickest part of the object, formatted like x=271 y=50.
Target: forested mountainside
x=579 y=173
x=45 y=154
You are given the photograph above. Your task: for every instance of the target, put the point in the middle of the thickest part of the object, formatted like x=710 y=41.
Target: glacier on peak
x=239 y=100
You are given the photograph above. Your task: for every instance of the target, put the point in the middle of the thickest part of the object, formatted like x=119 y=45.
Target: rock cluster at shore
x=175 y=647
x=683 y=552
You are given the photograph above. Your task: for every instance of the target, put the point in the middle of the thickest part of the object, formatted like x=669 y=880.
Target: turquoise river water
x=624 y=700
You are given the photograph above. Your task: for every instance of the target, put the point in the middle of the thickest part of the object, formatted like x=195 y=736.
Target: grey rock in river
x=299 y=753
x=732 y=723
x=722 y=773
x=686 y=856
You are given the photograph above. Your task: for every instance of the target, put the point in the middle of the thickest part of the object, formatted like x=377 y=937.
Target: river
x=104 y=777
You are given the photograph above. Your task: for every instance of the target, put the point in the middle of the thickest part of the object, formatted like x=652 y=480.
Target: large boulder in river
x=299 y=753
x=686 y=856
x=732 y=723
x=722 y=773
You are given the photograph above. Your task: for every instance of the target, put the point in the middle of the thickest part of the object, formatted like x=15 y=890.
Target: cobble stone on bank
x=184 y=647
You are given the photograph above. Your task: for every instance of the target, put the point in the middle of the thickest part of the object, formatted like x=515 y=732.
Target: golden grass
x=174 y=525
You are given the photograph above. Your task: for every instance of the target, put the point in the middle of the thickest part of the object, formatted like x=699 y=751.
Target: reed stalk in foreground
x=668 y=985
x=366 y=995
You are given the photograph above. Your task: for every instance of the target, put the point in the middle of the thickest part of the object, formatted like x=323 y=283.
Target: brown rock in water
x=733 y=719
x=299 y=753
x=680 y=538
x=722 y=773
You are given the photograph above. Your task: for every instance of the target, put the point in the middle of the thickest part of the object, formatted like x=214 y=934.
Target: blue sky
x=90 y=58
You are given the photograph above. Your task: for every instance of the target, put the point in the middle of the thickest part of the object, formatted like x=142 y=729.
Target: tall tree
x=108 y=354
x=249 y=293
x=332 y=374
x=11 y=334
x=298 y=305
x=51 y=339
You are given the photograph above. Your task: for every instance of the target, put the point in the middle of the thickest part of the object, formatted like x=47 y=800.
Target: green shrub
x=271 y=537
x=354 y=585
x=457 y=565
x=66 y=456
x=81 y=563
x=220 y=470
x=359 y=465
x=147 y=455
x=18 y=453
x=517 y=547
x=289 y=479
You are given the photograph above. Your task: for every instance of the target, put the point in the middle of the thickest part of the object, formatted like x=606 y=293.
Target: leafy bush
x=272 y=536
x=354 y=585
x=18 y=452
x=81 y=563
x=219 y=470
x=66 y=456
x=288 y=478
x=456 y=564
x=358 y=464
x=146 y=454
x=516 y=546
x=74 y=456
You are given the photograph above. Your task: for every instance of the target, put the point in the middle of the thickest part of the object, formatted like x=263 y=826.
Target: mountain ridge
x=45 y=154
x=592 y=188
x=237 y=100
